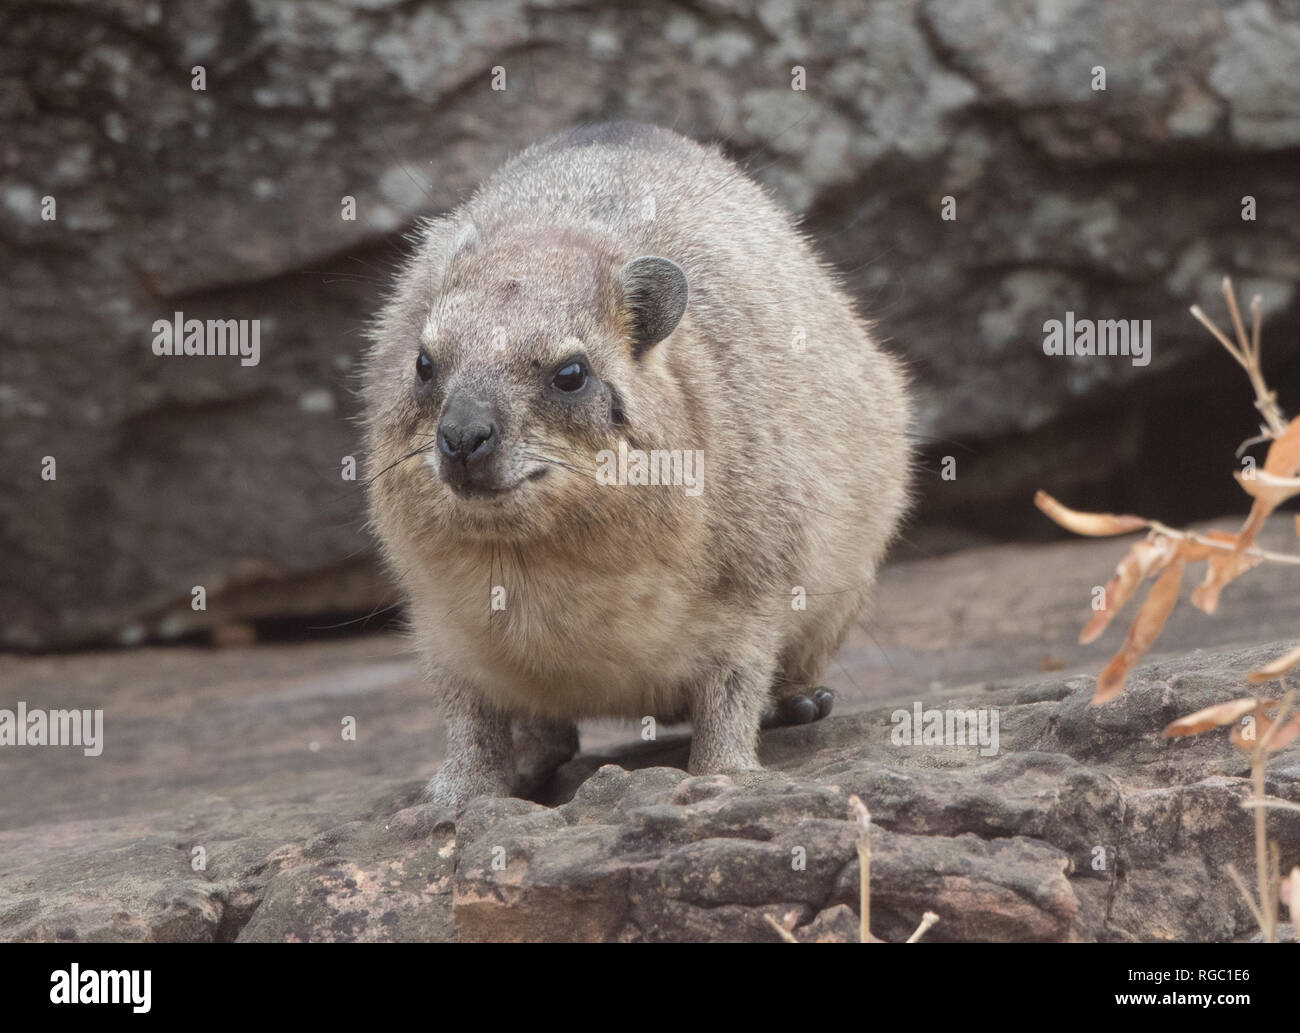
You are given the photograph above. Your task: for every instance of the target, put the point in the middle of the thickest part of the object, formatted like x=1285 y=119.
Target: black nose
x=467 y=432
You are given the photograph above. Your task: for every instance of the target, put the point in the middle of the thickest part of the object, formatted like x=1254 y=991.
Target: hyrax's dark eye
x=424 y=367
x=570 y=377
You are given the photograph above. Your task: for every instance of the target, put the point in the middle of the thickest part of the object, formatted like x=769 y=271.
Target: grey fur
x=629 y=600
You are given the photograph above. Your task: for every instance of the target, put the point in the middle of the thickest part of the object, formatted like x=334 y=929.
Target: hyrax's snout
x=468 y=435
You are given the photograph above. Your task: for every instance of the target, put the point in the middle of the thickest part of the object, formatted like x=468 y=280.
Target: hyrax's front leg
x=480 y=757
x=726 y=706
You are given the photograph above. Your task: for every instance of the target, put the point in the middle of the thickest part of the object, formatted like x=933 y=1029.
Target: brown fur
x=629 y=600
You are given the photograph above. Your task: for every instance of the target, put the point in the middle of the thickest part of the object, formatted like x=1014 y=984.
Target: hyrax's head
x=503 y=366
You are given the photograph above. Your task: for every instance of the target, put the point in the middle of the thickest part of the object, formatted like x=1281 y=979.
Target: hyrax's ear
x=445 y=241
x=654 y=298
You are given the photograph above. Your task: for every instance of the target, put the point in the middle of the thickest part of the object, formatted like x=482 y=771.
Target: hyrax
x=632 y=454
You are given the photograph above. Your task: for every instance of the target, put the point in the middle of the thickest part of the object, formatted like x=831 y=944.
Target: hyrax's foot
x=800 y=709
x=455 y=788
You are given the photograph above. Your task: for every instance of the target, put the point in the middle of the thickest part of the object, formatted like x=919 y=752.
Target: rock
x=227 y=805
x=1087 y=825
x=228 y=202
x=360 y=883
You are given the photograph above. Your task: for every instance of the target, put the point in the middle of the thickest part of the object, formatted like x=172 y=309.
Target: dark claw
x=799 y=710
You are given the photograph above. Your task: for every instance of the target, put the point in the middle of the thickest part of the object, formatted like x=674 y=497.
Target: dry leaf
x=1259 y=511
x=1142 y=560
x=1269 y=491
x=1222 y=569
x=1194 y=551
x=1091 y=524
x=1146 y=628
x=1290 y=893
x=1276 y=668
x=1239 y=740
x=1282 y=738
x=1282 y=462
x=1268 y=488
x=1283 y=459
x=1211 y=717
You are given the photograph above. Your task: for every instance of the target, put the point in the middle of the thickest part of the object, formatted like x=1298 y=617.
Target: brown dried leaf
x=1146 y=628
x=1142 y=560
x=1285 y=735
x=1211 y=717
x=1092 y=524
x=1290 y=893
x=1282 y=738
x=1259 y=511
x=1276 y=668
x=1283 y=459
x=1240 y=741
x=1222 y=569
x=1271 y=489
x=1194 y=551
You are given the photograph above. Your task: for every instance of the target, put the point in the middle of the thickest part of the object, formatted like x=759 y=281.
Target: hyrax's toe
x=799 y=709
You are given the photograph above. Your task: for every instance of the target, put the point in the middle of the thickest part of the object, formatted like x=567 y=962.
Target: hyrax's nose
x=467 y=432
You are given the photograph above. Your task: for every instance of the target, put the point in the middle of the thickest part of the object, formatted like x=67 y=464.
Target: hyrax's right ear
x=654 y=299
x=444 y=241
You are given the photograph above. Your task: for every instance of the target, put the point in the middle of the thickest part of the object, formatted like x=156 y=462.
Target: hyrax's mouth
x=480 y=489
x=477 y=491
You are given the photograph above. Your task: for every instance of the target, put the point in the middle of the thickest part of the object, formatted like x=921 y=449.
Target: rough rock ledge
x=1086 y=825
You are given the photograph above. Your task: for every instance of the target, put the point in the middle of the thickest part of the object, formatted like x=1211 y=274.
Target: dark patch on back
x=616 y=134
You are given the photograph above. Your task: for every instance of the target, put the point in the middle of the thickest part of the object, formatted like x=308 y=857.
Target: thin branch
x=1276 y=722
x=1272 y=804
x=863 y=817
x=928 y=922
x=1247 y=353
x=1245 y=893
x=1230 y=296
x=1200 y=539
x=785 y=933
x=1256 y=303
x=1219 y=335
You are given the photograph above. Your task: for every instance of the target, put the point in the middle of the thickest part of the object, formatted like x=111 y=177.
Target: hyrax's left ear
x=654 y=298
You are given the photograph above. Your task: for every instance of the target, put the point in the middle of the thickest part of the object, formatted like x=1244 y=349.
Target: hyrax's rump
x=633 y=454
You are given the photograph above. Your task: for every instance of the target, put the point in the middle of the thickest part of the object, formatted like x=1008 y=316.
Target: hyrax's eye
x=424 y=367
x=570 y=377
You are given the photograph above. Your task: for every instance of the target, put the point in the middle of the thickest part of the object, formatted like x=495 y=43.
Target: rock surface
x=1086 y=825
x=227 y=203
x=226 y=804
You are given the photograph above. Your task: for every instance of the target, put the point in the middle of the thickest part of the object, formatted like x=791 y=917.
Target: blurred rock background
x=226 y=203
